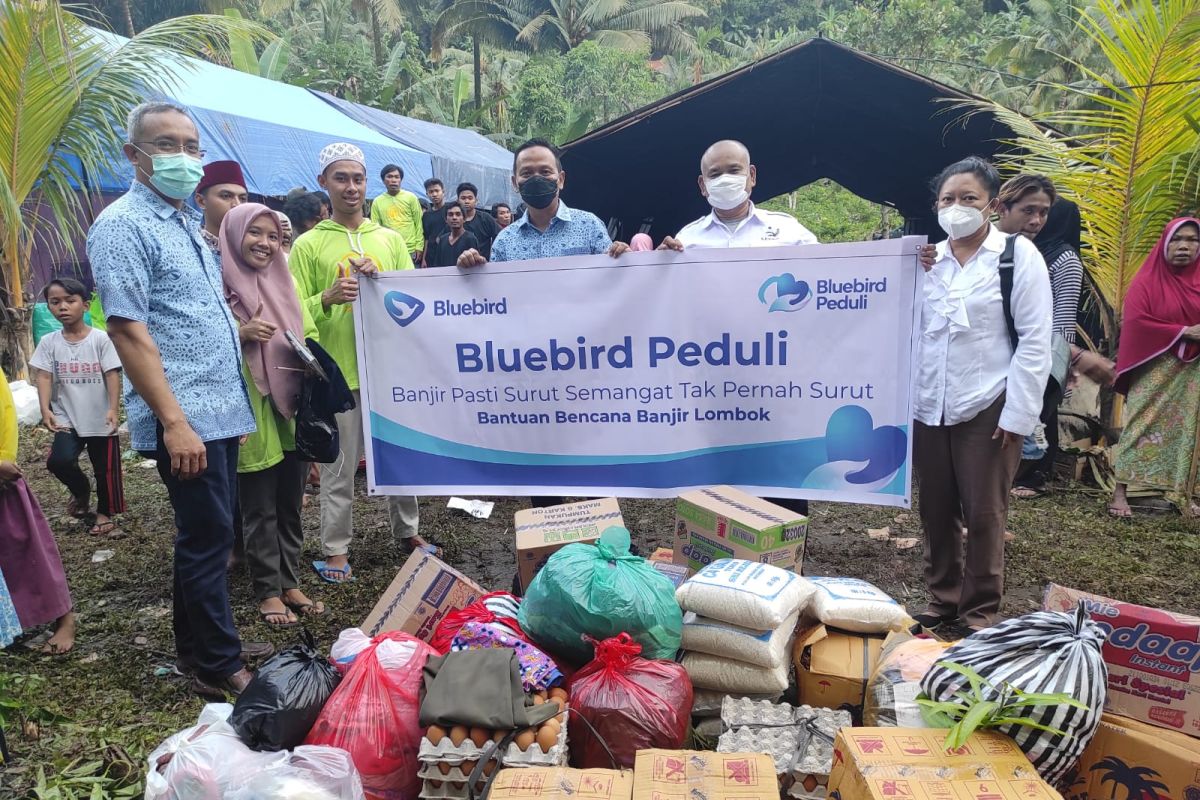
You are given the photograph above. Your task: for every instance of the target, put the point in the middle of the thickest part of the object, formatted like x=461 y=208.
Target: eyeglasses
x=167 y=146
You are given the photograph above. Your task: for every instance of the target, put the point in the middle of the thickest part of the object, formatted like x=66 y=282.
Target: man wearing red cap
x=221 y=188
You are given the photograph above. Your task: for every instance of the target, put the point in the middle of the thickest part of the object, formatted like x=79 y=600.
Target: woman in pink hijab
x=1158 y=374
x=262 y=296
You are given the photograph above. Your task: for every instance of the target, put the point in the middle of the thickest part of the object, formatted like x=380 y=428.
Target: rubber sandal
x=108 y=529
x=307 y=609
x=428 y=548
x=1025 y=492
x=265 y=615
x=324 y=571
x=77 y=508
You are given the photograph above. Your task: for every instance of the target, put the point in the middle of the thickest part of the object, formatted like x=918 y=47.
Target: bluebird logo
x=403 y=308
x=784 y=293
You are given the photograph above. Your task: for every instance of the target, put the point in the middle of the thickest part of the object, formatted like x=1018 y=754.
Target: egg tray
x=447 y=791
x=446 y=751
x=802 y=750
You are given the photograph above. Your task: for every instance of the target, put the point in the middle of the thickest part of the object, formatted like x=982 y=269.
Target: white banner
x=784 y=371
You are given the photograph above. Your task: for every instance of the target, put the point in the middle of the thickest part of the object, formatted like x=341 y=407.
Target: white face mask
x=727 y=192
x=959 y=222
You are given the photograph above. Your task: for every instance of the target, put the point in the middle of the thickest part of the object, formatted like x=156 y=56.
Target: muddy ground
x=90 y=717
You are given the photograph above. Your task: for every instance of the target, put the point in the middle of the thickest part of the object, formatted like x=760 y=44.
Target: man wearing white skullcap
x=327 y=263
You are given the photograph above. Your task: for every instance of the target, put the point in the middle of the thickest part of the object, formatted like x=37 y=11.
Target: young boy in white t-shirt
x=79 y=386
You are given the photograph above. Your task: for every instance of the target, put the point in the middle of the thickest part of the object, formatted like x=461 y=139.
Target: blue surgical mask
x=176 y=174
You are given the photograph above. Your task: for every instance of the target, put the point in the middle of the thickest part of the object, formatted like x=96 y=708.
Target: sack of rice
x=855 y=605
x=764 y=648
x=735 y=677
x=756 y=596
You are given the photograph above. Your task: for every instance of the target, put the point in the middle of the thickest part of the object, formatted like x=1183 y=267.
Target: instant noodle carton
x=1153 y=658
x=543 y=531
x=723 y=522
x=561 y=783
x=693 y=774
x=912 y=764
x=1131 y=759
x=833 y=667
x=423 y=591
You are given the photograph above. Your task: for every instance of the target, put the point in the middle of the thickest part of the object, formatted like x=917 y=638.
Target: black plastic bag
x=281 y=703
x=320 y=400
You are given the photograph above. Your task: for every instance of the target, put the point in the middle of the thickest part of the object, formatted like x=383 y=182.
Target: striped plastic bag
x=1047 y=652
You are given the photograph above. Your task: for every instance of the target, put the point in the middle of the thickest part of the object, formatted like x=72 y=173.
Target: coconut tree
x=560 y=25
x=1133 y=139
x=64 y=91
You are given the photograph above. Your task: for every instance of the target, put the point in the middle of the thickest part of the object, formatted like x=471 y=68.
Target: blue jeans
x=205 y=636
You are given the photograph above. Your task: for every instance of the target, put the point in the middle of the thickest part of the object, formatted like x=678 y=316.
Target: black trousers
x=205 y=636
x=270 y=500
x=105 y=455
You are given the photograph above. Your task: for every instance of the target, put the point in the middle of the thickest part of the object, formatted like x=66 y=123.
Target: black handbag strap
x=1007 y=262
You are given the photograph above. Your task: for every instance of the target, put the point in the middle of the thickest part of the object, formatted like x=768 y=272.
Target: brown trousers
x=965 y=476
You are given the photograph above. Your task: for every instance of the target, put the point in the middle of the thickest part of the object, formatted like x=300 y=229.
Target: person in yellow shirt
x=400 y=211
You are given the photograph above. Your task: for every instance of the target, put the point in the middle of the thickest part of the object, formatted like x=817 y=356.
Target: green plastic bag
x=601 y=590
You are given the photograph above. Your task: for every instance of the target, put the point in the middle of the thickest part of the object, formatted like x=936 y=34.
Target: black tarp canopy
x=815 y=110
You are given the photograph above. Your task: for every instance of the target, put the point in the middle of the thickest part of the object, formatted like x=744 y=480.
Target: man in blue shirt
x=548 y=229
x=185 y=403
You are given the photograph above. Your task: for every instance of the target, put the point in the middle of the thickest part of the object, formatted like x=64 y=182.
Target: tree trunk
x=478 y=72
x=376 y=38
x=129 y=31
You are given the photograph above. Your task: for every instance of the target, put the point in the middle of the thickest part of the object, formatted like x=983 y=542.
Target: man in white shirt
x=726 y=180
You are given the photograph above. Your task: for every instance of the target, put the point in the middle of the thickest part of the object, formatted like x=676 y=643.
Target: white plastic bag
x=205 y=761
x=352 y=641
x=25 y=401
x=764 y=648
x=756 y=596
x=312 y=772
x=734 y=677
x=855 y=605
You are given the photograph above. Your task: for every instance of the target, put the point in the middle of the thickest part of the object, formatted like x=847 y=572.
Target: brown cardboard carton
x=833 y=667
x=723 y=522
x=911 y=764
x=542 y=531
x=1153 y=658
x=423 y=591
x=561 y=783
x=1132 y=759
x=691 y=774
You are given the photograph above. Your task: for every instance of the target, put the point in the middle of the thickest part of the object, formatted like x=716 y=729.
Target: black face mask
x=538 y=191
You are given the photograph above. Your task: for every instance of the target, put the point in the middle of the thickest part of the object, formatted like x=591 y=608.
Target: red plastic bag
x=633 y=703
x=493 y=607
x=372 y=715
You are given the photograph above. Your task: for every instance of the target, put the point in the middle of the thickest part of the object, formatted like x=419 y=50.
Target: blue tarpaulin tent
x=274 y=130
x=458 y=155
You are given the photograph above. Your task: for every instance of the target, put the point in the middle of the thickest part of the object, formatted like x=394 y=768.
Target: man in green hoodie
x=326 y=263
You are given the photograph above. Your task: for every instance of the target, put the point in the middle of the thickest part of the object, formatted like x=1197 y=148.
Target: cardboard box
x=833 y=668
x=423 y=591
x=542 y=531
x=691 y=774
x=662 y=554
x=561 y=783
x=1153 y=658
x=1132 y=759
x=910 y=763
x=722 y=522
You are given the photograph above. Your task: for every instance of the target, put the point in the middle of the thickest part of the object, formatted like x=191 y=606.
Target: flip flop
x=78 y=508
x=307 y=609
x=108 y=529
x=428 y=548
x=1025 y=492
x=264 y=615
x=324 y=572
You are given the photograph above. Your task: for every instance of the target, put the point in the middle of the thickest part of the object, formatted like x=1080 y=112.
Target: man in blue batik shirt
x=548 y=229
x=186 y=406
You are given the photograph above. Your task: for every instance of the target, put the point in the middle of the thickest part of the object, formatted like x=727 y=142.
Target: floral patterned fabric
x=10 y=626
x=1159 y=444
x=538 y=670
